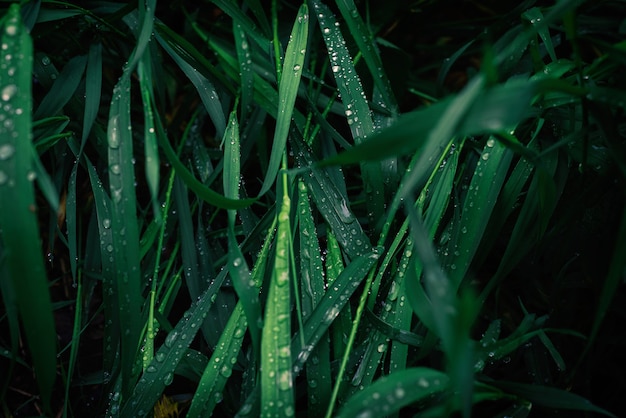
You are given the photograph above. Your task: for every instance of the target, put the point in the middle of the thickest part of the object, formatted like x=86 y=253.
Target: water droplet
x=6 y=151
x=8 y=92
x=168 y=379
x=106 y=223
x=296 y=68
x=116 y=169
x=45 y=60
x=284 y=380
x=11 y=29
x=485 y=156
x=226 y=371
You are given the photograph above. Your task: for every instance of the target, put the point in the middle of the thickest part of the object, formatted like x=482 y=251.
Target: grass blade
x=18 y=221
x=391 y=393
x=356 y=108
x=287 y=92
x=331 y=203
x=160 y=372
x=277 y=394
x=369 y=50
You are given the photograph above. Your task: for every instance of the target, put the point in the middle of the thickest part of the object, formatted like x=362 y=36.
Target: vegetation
x=342 y=208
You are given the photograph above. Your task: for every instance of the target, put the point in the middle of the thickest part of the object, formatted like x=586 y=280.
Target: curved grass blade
x=219 y=368
x=277 y=394
x=356 y=108
x=63 y=88
x=487 y=180
x=160 y=372
x=331 y=203
x=391 y=393
x=330 y=306
x=204 y=87
x=18 y=221
x=200 y=189
x=369 y=51
x=287 y=92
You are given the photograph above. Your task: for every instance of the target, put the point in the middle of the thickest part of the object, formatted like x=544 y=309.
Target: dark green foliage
x=348 y=208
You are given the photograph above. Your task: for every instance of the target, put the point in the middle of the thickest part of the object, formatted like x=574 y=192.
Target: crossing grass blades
x=338 y=208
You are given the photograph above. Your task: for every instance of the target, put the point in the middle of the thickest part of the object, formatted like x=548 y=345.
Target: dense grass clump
x=341 y=208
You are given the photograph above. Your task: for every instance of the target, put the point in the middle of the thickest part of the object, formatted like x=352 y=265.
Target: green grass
x=340 y=209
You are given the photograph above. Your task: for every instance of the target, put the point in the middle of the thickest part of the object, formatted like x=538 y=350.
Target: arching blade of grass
x=369 y=51
x=277 y=393
x=287 y=92
x=331 y=203
x=355 y=104
x=18 y=222
x=391 y=393
x=453 y=316
x=219 y=368
x=160 y=372
x=539 y=23
x=205 y=89
x=63 y=88
x=487 y=180
x=202 y=191
x=330 y=306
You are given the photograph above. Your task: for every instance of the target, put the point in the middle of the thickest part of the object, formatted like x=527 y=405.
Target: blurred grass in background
x=342 y=208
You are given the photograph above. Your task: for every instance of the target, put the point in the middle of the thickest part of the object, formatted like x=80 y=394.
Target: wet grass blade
x=160 y=372
x=220 y=365
x=331 y=203
x=484 y=189
x=63 y=88
x=18 y=221
x=124 y=203
x=369 y=51
x=151 y=148
x=330 y=306
x=287 y=92
x=202 y=191
x=277 y=392
x=312 y=288
x=356 y=108
x=240 y=274
x=391 y=393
